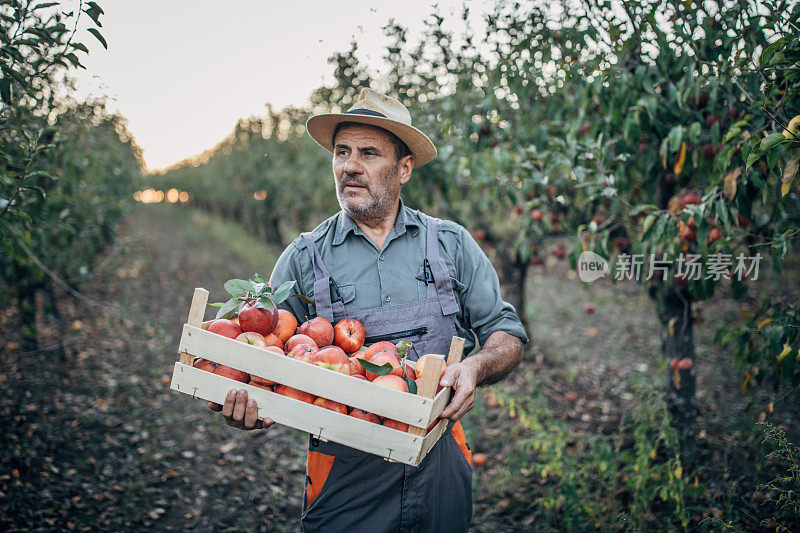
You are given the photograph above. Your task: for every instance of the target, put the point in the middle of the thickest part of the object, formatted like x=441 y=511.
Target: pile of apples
x=339 y=348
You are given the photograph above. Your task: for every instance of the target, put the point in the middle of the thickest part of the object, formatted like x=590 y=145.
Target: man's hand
x=239 y=412
x=499 y=355
x=463 y=377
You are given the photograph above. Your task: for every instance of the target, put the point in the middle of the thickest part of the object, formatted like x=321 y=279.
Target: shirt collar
x=346 y=225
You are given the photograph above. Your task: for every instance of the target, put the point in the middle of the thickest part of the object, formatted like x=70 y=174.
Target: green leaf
x=238 y=287
x=258 y=278
x=770 y=50
x=94 y=13
x=412 y=385
x=647 y=224
x=265 y=302
x=402 y=347
x=771 y=140
x=217 y=304
x=5 y=90
x=754 y=156
x=229 y=309
x=381 y=370
x=283 y=292
x=99 y=37
x=43 y=6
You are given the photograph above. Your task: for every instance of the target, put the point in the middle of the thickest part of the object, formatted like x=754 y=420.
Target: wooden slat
x=401 y=406
x=456 y=351
x=324 y=423
x=429 y=382
x=196 y=313
x=431 y=438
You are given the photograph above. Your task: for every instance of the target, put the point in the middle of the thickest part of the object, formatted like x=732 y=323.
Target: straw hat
x=375 y=109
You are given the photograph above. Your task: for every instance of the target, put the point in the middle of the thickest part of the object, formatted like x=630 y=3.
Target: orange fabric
x=461 y=439
x=318 y=466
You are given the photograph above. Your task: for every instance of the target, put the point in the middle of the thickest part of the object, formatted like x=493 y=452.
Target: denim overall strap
x=441 y=276
x=322 y=281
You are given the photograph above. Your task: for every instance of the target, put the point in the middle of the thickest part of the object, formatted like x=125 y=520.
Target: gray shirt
x=367 y=277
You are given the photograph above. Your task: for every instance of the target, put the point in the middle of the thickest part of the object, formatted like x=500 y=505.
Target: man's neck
x=377 y=230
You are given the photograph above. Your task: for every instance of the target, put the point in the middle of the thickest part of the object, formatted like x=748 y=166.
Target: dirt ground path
x=100 y=442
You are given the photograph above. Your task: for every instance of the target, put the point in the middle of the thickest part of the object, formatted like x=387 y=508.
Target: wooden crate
x=418 y=411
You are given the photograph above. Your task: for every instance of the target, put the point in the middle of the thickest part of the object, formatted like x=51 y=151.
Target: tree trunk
x=512 y=280
x=674 y=308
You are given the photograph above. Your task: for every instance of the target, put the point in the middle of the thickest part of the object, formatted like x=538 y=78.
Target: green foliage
x=784 y=490
x=66 y=169
x=257 y=289
x=579 y=482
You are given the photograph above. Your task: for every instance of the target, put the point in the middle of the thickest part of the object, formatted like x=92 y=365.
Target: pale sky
x=183 y=71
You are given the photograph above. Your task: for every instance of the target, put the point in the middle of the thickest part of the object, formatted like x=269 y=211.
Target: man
x=403 y=274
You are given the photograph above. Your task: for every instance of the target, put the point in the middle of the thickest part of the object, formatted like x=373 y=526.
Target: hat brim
x=321 y=128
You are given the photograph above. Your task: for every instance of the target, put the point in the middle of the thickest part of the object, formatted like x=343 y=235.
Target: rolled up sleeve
x=483 y=308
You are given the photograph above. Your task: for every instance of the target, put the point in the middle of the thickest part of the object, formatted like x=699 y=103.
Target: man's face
x=367 y=174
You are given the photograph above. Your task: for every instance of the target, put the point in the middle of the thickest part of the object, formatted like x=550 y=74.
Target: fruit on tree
x=684 y=364
x=318 y=329
x=225 y=327
x=348 y=334
x=537 y=215
x=252 y=318
x=673 y=363
x=378 y=347
x=232 y=373
x=298 y=339
x=252 y=338
x=363 y=415
x=330 y=404
x=286 y=326
x=390 y=381
x=289 y=392
x=689 y=198
x=714 y=234
x=381 y=358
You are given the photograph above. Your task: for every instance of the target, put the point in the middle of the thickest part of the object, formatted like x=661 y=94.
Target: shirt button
x=380 y=257
x=387 y=298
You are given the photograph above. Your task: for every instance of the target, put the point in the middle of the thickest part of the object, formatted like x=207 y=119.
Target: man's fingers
x=227 y=409
x=215 y=406
x=267 y=422
x=450 y=376
x=251 y=414
x=240 y=406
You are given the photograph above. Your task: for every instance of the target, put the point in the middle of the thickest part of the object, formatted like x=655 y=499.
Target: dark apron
x=349 y=490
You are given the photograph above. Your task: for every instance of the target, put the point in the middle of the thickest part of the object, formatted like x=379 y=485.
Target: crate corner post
x=196 y=313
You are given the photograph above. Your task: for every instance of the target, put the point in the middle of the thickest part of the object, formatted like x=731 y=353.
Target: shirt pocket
x=422 y=287
x=347 y=291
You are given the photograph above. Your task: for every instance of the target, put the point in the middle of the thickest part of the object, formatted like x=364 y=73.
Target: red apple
x=394 y=424
x=391 y=381
x=252 y=338
x=330 y=404
x=356 y=368
x=275 y=349
x=287 y=324
x=258 y=381
x=378 y=347
x=298 y=339
x=363 y=415
x=318 y=329
x=348 y=334
x=260 y=385
x=289 y=392
x=303 y=352
x=410 y=372
x=273 y=340
x=685 y=364
x=205 y=364
x=225 y=327
x=253 y=318
x=359 y=376
x=232 y=373
x=331 y=357
x=537 y=215
x=381 y=358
